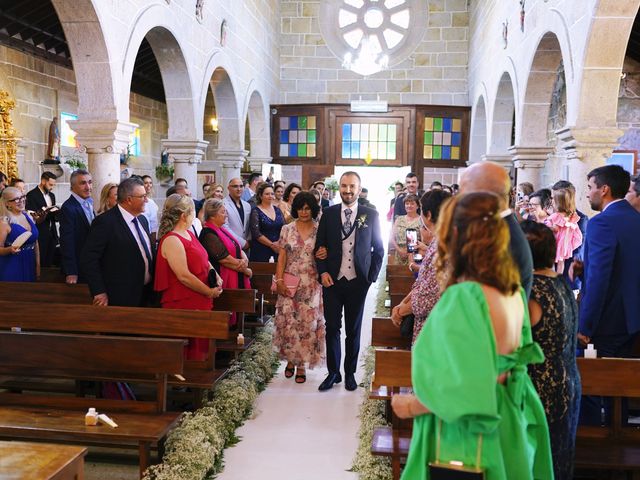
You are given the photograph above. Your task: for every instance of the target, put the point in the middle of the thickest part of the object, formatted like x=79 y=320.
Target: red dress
x=176 y=295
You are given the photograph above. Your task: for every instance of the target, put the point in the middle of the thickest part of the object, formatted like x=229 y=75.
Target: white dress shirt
x=151 y=213
x=128 y=218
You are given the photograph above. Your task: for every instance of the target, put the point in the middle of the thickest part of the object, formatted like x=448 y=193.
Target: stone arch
x=502 y=118
x=218 y=77
x=478 y=144
x=597 y=93
x=174 y=69
x=96 y=82
x=258 y=114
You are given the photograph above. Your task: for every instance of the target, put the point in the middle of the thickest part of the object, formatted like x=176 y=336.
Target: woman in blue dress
x=17 y=264
x=265 y=223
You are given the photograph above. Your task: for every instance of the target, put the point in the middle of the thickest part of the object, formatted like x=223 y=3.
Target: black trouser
x=615 y=346
x=351 y=296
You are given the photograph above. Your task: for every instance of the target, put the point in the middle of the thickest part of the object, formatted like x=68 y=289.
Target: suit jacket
x=521 y=253
x=369 y=250
x=112 y=261
x=239 y=228
x=74 y=229
x=610 y=302
x=47 y=229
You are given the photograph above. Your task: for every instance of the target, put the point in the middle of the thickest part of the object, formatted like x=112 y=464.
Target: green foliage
x=75 y=161
x=164 y=171
x=331 y=184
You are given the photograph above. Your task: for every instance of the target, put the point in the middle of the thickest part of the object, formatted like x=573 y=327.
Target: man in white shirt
x=151 y=208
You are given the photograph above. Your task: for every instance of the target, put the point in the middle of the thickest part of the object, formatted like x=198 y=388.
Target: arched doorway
x=478 y=145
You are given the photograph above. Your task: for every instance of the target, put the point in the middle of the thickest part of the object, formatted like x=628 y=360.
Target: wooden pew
x=41 y=460
x=396 y=270
x=615 y=447
x=399 y=287
x=385 y=334
x=60 y=418
x=45 y=293
x=261 y=281
x=393 y=371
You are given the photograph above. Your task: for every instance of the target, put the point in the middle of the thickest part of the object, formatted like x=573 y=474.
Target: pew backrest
x=385 y=334
x=392 y=368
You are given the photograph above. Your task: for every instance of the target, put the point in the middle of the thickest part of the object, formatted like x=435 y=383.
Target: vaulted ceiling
x=32 y=26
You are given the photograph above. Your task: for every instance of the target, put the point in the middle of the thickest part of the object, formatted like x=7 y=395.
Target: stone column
x=529 y=162
x=586 y=149
x=505 y=161
x=103 y=141
x=230 y=162
x=186 y=155
x=255 y=163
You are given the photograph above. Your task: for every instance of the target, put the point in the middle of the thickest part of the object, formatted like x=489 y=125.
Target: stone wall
x=435 y=73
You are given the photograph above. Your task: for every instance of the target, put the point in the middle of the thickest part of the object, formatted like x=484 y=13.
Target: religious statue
x=200 y=10
x=505 y=33
x=522 y=14
x=53 y=144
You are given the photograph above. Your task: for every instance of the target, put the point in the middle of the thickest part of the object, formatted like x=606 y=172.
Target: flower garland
x=195 y=448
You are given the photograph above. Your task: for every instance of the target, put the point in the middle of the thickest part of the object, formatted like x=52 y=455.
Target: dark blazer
x=74 y=229
x=47 y=229
x=610 y=302
x=112 y=262
x=369 y=250
x=521 y=253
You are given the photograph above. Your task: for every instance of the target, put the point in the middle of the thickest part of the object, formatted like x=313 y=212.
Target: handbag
x=406 y=325
x=290 y=281
x=455 y=470
x=212 y=278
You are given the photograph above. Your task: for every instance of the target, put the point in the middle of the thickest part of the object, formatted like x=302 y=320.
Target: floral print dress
x=300 y=329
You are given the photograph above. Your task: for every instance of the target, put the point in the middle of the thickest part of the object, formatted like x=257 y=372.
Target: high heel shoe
x=288 y=371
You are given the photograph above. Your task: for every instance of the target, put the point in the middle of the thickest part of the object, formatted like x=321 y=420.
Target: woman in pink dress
x=300 y=329
x=564 y=223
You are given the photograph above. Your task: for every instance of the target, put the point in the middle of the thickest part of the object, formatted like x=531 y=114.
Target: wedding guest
x=251 y=189
x=397 y=190
x=42 y=201
x=151 y=208
x=564 y=223
x=633 y=195
x=399 y=231
x=215 y=191
x=321 y=187
x=538 y=206
x=300 y=330
x=278 y=192
x=182 y=267
x=238 y=213
x=223 y=249
x=469 y=363
x=289 y=194
x=411 y=186
x=265 y=224
x=554 y=324
x=17 y=263
x=108 y=197
x=19 y=184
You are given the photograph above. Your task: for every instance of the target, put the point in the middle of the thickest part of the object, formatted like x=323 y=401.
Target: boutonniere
x=361 y=222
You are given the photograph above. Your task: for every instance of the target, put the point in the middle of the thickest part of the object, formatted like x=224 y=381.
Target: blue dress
x=20 y=267
x=261 y=224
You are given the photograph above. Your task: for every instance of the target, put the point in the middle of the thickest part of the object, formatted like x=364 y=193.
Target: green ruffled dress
x=454 y=372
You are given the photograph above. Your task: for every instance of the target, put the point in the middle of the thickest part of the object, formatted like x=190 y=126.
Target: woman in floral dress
x=300 y=329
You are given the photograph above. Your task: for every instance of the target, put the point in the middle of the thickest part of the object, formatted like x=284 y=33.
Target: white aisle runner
x=299 y=433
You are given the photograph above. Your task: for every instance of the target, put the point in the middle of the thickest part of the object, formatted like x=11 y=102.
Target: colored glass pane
x=455 y=153
x=446 y=124
x=355 y=149
x=456 y=125
x=346 y=132
x=364 y=133
x=284 y=123
x=284 y=150
x=311 y=122
x=391 y=150
x=373 y=131
x=382 y=150
x=392 y=133
x=302 y=150
x=446 y=138
x=437 y=124
x=311 y=136
x=293 y=150
x=346 y=150
x=456 y=139
x=437 y=138
x=382 y=133
x=446 y=153
x=428 y=138
x=311 y=149
x=437 y=151
x=302 y=122
x=293 y=136
x=134 y=143
x=364 y=149
x=428 y=124
x=428 y=151
x=293 y=123
x=67 y=135
x=302 y=136
x=284 y=136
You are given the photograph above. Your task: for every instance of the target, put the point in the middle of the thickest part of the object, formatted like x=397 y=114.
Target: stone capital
x=224 y=155
x=534 y=157
x=256 y=162
x=589 y=143
x=103 y=136
x=505 y=161
x=185 y=151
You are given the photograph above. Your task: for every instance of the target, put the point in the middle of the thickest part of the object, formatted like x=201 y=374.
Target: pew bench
x=385 y=334
x=60 y=418
x=41 y=461
x=261 y=281
x=399 y=287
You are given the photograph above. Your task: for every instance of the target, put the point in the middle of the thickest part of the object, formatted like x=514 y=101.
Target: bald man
x=238 y=212
x=491 y=177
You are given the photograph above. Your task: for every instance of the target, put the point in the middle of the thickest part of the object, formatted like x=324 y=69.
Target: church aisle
x=299 y=433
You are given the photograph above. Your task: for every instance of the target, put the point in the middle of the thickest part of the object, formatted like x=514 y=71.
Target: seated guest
x=223 y=249
x=473 y=396
x=265 y=224
x=554 y=324
x=108 y=197
x=17 y=264
x=182 y=267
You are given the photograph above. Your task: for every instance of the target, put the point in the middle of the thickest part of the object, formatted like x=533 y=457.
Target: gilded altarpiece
x=8 y=140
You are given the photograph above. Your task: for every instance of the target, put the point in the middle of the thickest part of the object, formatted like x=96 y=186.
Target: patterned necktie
x=88 y=210
x=347 y=220
x=147 y=253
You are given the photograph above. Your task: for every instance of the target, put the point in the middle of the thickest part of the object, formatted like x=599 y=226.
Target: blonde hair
x=564 y=200
x=174 y=207
x=104 y=197
x=211 y=207
x=4 y=210
x=212 y=188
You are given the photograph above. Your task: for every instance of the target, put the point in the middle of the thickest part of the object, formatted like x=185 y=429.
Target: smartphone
x=412 y=239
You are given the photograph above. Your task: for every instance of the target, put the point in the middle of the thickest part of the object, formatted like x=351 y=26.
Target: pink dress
x=568 y=235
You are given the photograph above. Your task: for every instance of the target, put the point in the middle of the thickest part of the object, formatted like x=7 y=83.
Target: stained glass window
x=373 y=140
x=67 y=136
x=442 y=138
x=134 y=143
x=298 y=136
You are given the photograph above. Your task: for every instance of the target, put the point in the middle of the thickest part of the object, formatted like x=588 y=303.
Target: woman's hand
x=11 y=250
x=242 y=265
x=215 y=292
x=402 y=405
x=421 y=248
x=281 y=288
x=396 y=318
x=248 y=272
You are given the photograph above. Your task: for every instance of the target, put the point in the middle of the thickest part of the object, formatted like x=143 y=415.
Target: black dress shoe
x=350 y=382
x=329 y=381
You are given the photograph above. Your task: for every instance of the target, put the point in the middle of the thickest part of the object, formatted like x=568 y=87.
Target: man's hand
x=101 y=300
x=583 y=340
x=321 y=253
x=71 y=279
x=326 y=280
x=576 y=269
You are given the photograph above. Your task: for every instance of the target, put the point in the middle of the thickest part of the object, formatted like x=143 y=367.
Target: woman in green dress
x=473 y=396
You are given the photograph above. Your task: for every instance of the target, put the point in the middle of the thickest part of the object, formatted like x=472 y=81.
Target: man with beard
x=42 y=201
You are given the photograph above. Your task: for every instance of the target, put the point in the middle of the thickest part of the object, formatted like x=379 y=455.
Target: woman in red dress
x=182 y=267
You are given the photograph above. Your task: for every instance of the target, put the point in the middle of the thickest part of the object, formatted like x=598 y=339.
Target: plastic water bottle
x=590 y=352
x=271 y=259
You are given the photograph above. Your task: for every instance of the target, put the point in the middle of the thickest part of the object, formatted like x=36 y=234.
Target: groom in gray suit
x=238 y=212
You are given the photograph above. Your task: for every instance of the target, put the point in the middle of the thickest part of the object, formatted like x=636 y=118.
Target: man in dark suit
x=491 y=177
x=42 y=201
x=117 y=258
x=349 y=235
x=320 y=186
x=411 y=185
x=76 y=216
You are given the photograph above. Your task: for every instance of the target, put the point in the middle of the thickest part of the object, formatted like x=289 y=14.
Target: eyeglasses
x=17 y=199
x=139 y=196
x=236 y=186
